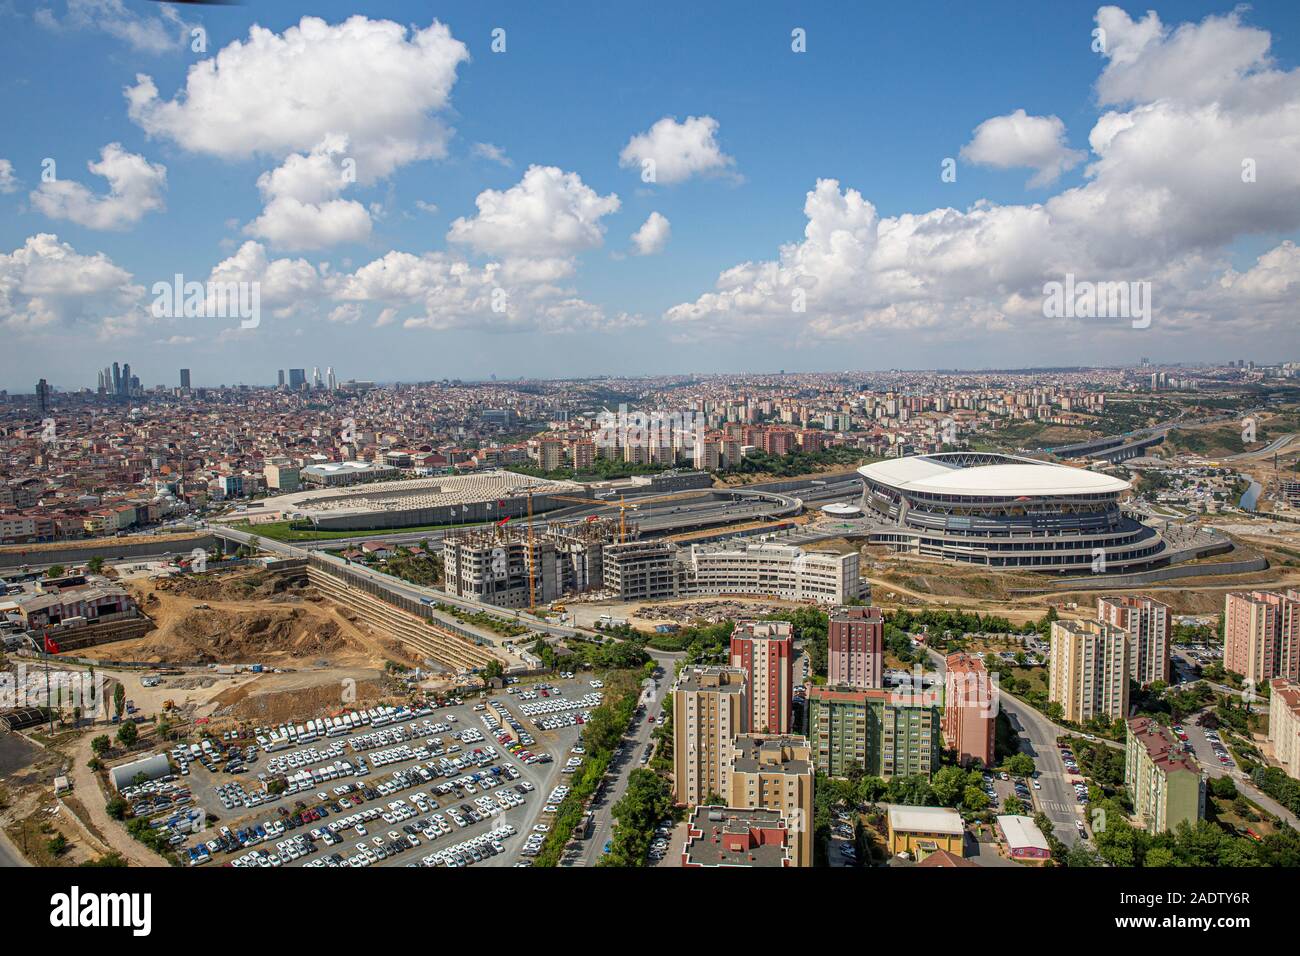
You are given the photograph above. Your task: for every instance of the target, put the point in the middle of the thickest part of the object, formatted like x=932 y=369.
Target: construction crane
x=622 y=532
x=592 y=502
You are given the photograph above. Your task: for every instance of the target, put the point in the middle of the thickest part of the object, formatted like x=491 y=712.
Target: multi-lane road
x=1038 y=740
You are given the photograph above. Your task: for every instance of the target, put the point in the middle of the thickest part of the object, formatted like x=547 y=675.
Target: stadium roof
x=1013 y=477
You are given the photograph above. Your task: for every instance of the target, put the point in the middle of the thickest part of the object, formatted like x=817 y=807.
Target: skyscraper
x=330 y=381
x=43 y=396
x=280 y=382
x=315 y=376
x=185 y=378
x=297 y=378
x=125 y=383
x=117 y=379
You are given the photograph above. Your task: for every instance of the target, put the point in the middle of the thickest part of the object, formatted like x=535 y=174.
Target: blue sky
x=882 y=95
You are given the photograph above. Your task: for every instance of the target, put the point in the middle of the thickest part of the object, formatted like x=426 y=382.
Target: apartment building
x=1147 y=623
x=856 y=646
x=708 y=715
x=1162 y=777
x=282 y=477
x=1261 y=634
x=776 y=773
x=969 y=709
x=1284 y=724
x=729 y=836
x=1089 y=669
x=764 y=650
x=883 y=733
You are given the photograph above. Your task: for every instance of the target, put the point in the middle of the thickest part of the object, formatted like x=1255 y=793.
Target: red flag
x=503 y=521
x=51 y=646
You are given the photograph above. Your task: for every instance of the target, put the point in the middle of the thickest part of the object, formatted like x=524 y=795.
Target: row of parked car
x=557 y=705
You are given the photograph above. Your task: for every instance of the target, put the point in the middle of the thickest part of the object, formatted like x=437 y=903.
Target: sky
x=423 y=190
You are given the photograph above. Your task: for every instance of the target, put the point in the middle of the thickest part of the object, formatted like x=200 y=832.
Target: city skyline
x=819 y=200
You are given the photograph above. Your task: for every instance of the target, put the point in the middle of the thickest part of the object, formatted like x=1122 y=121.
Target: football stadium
x=1006 y=512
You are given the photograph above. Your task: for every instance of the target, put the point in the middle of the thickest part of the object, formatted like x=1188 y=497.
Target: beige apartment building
x=1261 y=634
x=1089 y=669
x=708 y=715
x=1147 y=623
x=776 y=773
x=1284 y=724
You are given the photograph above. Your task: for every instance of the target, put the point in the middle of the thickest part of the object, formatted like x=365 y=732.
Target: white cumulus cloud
x=275 y=94
x=653 y=235
x=677 y=151
x=303 y=207
x=1018 y=140
x=135 y=188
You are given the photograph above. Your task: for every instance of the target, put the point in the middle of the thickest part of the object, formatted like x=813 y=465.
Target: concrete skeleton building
x=1261 y=634
x=494 y=564
x=1088 y=673
x=1162 y=777
x=1147 y=622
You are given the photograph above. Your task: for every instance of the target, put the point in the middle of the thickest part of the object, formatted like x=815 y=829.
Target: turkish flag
x=51 y=646
x=503 y=521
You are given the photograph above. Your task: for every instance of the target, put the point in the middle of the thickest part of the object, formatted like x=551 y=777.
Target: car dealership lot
x=468 y=784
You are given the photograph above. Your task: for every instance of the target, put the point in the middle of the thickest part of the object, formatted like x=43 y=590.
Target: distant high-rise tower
x=100 y=386
x=280 y=383
x=43 y=396
x=297 y=378
x=185 y=378
x=117 y=379
x=125 y=383
x=315 y=376
x=330 y=381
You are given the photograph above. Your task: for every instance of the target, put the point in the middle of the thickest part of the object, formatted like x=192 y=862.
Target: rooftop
x=925 y=819
x=1011 y=477
x=731 y=836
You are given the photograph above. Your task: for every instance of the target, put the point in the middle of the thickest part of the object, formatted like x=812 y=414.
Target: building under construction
x=518 y=566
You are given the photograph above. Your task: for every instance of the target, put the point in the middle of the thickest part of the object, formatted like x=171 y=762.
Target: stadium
x=1006 y=512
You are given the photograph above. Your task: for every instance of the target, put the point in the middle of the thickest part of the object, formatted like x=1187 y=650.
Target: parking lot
x=470 y=783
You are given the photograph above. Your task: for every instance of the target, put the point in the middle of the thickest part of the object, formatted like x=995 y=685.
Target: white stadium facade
x=1001 y=511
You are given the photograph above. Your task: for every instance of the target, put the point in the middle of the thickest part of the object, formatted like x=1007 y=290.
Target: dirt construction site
x=249 y=617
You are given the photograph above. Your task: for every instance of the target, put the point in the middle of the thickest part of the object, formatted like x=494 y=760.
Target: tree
x=95 y=565
x=116 y=808
x=101 y=744
x=128 y=733
x=57 y=845
x=119 y=699
x=1021 y=765
x=54 y=571
x=947 y=785
x=974 y=799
